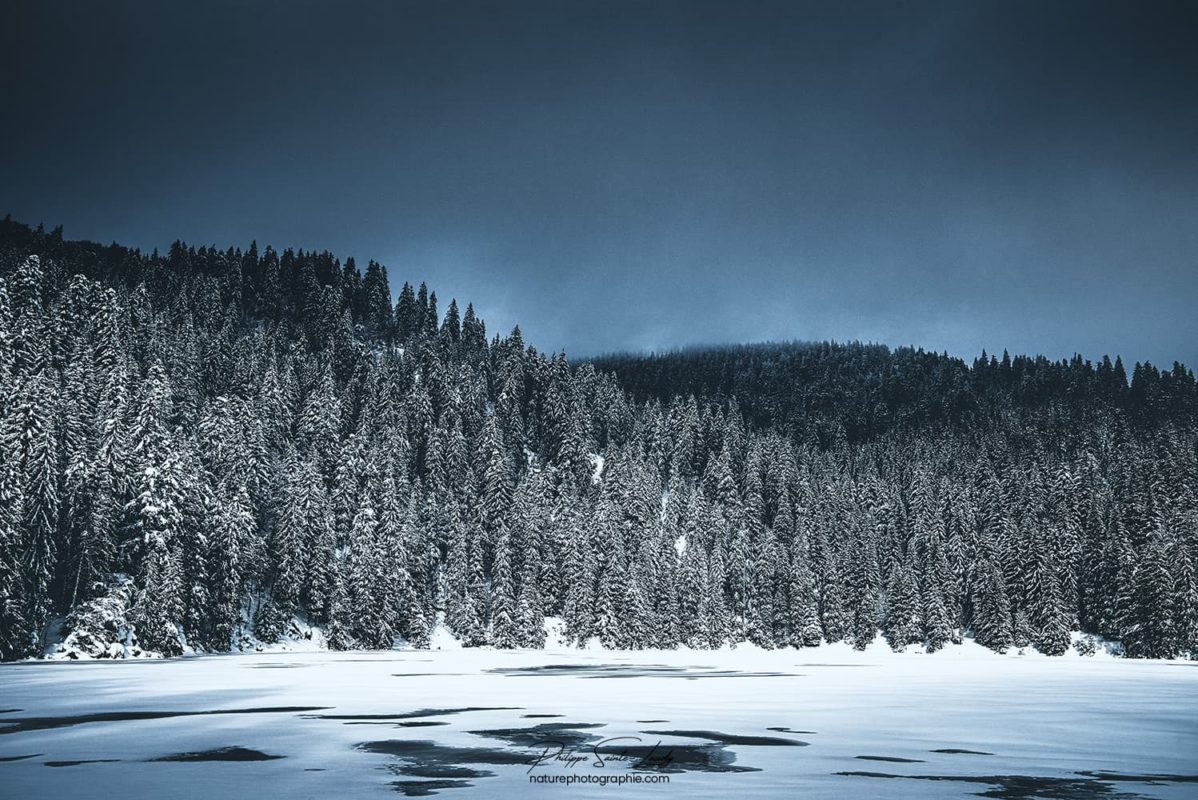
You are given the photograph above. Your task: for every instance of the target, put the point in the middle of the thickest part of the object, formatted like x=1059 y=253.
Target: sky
x=648 y=175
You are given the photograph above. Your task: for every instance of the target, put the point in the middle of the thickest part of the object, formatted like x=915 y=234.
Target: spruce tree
x=903 y=624
x=803 y=618
x=16 y=634
x=992 y=609
x=231 y=534
x=1148 y=629
x=505 y=627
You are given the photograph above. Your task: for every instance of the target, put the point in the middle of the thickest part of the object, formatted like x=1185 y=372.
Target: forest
x=206 y=448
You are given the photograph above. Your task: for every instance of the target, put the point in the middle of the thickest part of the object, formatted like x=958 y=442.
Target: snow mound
x=298 y=636
x=100 y=628
x=441 y=638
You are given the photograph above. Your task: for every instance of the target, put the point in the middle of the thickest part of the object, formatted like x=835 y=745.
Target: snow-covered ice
x=825 y=722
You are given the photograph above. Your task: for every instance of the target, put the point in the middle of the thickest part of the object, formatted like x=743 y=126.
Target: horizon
x=697 y=346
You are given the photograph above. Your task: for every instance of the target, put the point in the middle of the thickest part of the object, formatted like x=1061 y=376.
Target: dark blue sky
x=615 y=175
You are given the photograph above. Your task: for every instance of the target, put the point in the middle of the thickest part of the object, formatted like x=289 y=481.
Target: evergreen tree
x=16 y=633
x=1185 y=599
x=232 y=532
x=1148 y=628
x=803 y=619
x=903 y=624
x=1046 y=608
x=31 y=446
x=505 y=629
x=367 y=593
x=992 y=609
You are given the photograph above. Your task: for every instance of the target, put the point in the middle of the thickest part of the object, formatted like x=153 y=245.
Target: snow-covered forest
x=209 y=447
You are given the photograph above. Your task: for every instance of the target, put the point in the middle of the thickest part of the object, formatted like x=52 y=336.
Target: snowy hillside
x=199 y=449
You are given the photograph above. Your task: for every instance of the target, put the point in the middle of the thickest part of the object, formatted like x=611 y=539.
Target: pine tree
x=7 y=337
x=614 y=579
x=1022 y=632
x=763 y=612
x=833 y=617
x=407 y=322
x=992 y=609
x=497 y=490
x=581 y=569
x=903 y=624
x=937 y=628
x=397 y=529
x=505 y=629
x=309 y=517
x=158 y=604
x=376 y=311
x=803 y=618
x=338 y=634
x=464 y=614
x=1186 y=601
x=154 y=520
x=862 y=592
x=31 y=446
x=1047 y=612
x=231 y=534
x=16 y=634
x=530 y=618
x=319 y=423
x=367 y=594
x=1148 y=630
x=302 y=513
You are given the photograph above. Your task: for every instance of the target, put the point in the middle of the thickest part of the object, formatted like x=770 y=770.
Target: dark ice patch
x=23 y=724
x=442 y=771
x=449 y=766
x=1154 y=779
x=578 y=738
x=1087 y=786
x=631 y=671
x=892 y=759
x=421 y=755
x=790 y=730
x=278 y=666
x=732 y=738
x=565 y=734
x=659 y=757
x=429 y=674
x=81 y=761
x=233 y=753
x=960 y=751
x=540 y=716
x=423 y=712
x=427 y=788
x=835 y=665
x=18 y=758
x=417 y=723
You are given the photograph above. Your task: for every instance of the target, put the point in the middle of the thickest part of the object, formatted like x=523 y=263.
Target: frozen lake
x=820 y=723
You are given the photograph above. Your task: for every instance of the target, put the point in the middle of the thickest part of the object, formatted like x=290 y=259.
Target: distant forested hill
x=206 y=449
x=859 y=392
